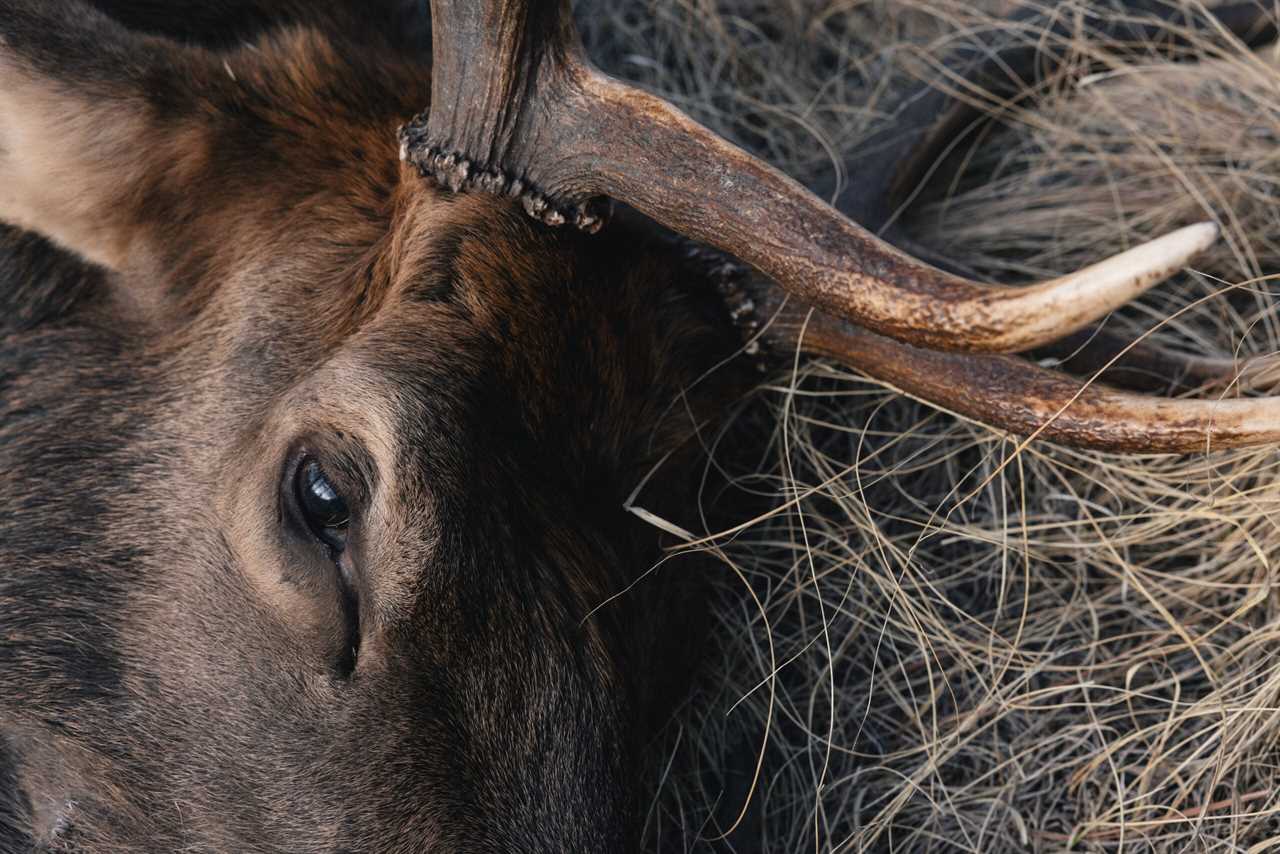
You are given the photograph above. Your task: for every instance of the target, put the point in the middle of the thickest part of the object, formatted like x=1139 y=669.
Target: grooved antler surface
x=517 y=109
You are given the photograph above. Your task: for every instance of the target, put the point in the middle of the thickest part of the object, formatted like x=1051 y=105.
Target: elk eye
x=324 y=509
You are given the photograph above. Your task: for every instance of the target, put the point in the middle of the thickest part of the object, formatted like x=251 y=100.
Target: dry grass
x=941 y=644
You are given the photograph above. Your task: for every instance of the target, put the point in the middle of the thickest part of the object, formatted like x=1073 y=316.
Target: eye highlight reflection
x=325 y=510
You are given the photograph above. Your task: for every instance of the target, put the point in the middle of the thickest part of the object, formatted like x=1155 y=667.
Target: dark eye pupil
x=326 y=511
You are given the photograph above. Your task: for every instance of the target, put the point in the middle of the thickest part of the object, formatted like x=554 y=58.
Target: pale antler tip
x=1156 y=260
x=1065 y=305
x=1199 y=237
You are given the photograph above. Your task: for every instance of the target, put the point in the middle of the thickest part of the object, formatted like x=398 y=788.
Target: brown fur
x=177 y=668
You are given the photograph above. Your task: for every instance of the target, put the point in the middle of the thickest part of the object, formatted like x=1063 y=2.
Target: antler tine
x=1010 y=393
x=517 y=109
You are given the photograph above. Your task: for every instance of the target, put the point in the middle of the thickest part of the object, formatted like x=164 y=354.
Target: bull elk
x=314 y=470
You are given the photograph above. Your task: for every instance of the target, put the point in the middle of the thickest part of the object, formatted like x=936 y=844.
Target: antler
x=1019 y=396
x=517 y=109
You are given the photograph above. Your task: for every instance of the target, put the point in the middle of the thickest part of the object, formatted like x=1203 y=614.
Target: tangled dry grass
x=931 y=637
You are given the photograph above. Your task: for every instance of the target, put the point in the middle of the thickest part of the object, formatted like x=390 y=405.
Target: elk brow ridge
x=441 y=280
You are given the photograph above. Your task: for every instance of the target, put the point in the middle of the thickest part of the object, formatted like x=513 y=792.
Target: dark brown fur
x=176 y=670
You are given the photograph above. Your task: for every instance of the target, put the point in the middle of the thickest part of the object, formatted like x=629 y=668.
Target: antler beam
x=517 y=109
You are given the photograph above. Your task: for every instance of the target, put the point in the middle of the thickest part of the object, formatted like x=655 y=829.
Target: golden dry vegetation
x=931 y=636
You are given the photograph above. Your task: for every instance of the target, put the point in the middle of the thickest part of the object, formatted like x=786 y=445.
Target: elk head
x=314 y=481
x=315 y=478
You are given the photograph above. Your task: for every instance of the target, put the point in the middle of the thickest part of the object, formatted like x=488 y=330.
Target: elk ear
x=91 y=128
